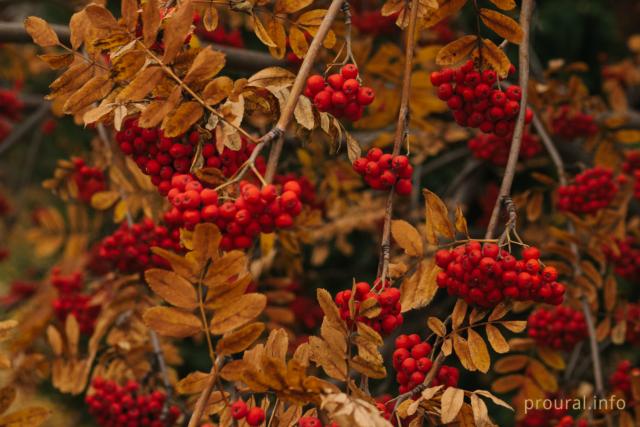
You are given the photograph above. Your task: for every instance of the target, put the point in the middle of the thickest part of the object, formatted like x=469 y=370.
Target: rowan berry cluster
x=560 y=328
x=590 y=191
x=128 y=249
x=71 y=300
x=314 y=422
x=383 y=171
x=125 y=406
x=411 y=361
x=388 y=298
x=630 y=313
x=385 y=405
x=621 y=378
x=569 y=124
x=484 y=275
x=89 y=180
x=569 y=421
x=254 y=211
x=496 y=148
x=373 y=22
x=10 y=110
x=475 y=103
x=631 y=167
x=253 y=416
x=625 y=257
x=340 y=94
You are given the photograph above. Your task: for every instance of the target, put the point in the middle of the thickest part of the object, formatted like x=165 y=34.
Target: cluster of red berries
x=314 y=422
x=373 y=22
x=621 y=378
x=484 y=275
x=254 y=211
x=626 y=260
x=590 y=191
x=89 y=180
x=475 y=103
x=10 y=110
x=630 y=313
x=560 y=328
x=125 y=406
x=220 y=35
x=496 y=148
x=128 y=249
x=19 y=290
x=308 y=194
x=569 y=421
x=385 y=405
x=340 y=94
x=570 y=124
x=632 y=167
x=253 y=416
x=411 y=361
x=70 y=300
x=387 y=297
x=383 y=171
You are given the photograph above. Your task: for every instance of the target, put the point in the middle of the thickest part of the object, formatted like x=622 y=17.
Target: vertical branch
x=401 y=133
x=204 y=397
x=277 y=133
x=505 y=188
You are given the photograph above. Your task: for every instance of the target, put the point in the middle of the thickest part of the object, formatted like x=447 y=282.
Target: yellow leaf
x=240 y=339
x=182 y=118
x=312 y=18
x=141 y=85
x=534 y=206
x=40 y=31
x=129 y=12
x=278 y=34
x=217 y=90
x=32 y=416
x=55 y=340
x=207 y=64
x=329 y=307
x=511 y=364
x=298 y=42
x=150 y=21
x=543 y=377
x=370 y=308
x=502 y=25
x=419 y=289
x=238 y=313
x=291 y=6
x=516 y=326
x=100 y=17
x=56 y=61
x=628 y=136
x=172 y=287
x=499 y=312
x=551 y=357
x=261 y=32
x=172 y=322
x=457 y=50
x=446 y=9
x=504 y=4
x=93 y=90
x=436 y=218
x=176 y=29
x=72 y=331
x=495 y=57
x=193 y=383
x=7 y=396
x=493 y=398
x=407 y=237
x=156 y=111
x=461 y=348
x=451 y=403
x=78 y=25
x=480 y=412
x=461 y=222
x=459 y=313
x=507 y=383
x=478 y=351
x=104 y=199
x=437 y=326
x=210 y=18
x=205 y=247
x=496 y=340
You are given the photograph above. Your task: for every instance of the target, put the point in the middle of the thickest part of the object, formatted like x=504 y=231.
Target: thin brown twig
x=201 y=404
x=505 y=188
x=402 y=127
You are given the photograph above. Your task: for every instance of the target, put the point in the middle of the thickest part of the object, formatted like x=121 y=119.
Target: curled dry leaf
x=41 y=32
x=503 y=26
x=495 y=58
x=457 y=50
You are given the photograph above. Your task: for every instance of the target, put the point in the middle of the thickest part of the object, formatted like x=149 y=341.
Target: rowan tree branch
x=201 y=404
x=298 y=86
x=526 y=11
x=402 y=128
x=24 y=127
x=244 y=59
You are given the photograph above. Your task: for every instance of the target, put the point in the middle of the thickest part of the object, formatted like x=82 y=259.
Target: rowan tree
x=330 y=213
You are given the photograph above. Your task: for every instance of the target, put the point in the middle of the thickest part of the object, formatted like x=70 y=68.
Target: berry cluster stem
x=400 y=135
x=526 y=11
